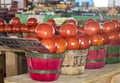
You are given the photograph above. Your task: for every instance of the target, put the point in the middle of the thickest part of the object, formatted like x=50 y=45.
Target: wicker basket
x=96 y=57
x=74 y=62
x=113 y=53
x=44 y=67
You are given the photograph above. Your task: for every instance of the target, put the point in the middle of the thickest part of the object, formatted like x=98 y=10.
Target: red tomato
x=96 y=40
x=106 y=39
x=61 y=44
x=52 y=22
x=90 y=20
x=81 y=31
x=2 y=22
x=84 y=42
x=73 y=43
x=115 y=21
x=32 y=29
x=108 y=27
x=8 y=28
x=72 y=21
x=16 y=28
x=1 y=28
x=15 y=21
x=114 y=36
x=45 y=30
x=68 y=30
x=49 y=44
x=32 y=22
x=24 y=28
x=92 y=28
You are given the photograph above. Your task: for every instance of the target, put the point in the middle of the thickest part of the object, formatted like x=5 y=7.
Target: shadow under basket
x=44 y=67
x=74 y=62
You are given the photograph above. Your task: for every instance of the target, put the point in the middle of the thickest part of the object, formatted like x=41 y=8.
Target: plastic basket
x=74 y=62
x=44 y=67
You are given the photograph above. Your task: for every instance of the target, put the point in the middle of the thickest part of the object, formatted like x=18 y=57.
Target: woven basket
x=113 y=53
x=44 y=67
x=96 y=57
x=74 y=62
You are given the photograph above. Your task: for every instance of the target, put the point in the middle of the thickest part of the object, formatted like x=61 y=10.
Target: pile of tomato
x=68 y=36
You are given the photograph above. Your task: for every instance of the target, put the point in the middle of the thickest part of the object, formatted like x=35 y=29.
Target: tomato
x=24 y=28
x=73 y=43
x=16 y=28
x=96 y=40
x=61 y=45
x=57 y=30
x=92 y=28
x=15 y=21
x=2 y=22
x=45 y=30
x=84 y=42
x=81 y=31
x=52 y=22
x=68 y=30
x=32 y=29
x=32 y=22
x=49 y=44
x=71 y=21
x=8 y=28
x=115 y=21
x=106 y=39
x=1 y=28
x=108 y=27
x=89 y=20
x=114 y=36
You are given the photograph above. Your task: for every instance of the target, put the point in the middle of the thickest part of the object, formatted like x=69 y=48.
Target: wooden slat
x=11 y=64
x=103 y=75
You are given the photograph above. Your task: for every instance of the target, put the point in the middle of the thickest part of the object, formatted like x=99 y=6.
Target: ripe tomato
x=115 y=21
x=92 y=28
x=61 y=45
x=71 y=21
x=15 y=21
x=32 y=29
x=2 y=22
x=106 y=39
x=68 y=30
x=45 y=30
x=73 y=43
x=49 y=44
x=96 y=40
x=81 y=31
x=32 y=22
x=108 y=27
x=8 y=28
x=1 y=28
x=52 y=22
x=114 y=36
x=89 y=20
x=84 y=42
x=16 y=28
x=24 y=28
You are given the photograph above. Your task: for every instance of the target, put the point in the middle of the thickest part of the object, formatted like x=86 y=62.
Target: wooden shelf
x=103 y=75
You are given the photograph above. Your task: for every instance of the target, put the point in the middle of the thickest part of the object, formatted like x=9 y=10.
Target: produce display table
x=103 y=75
x=10 y=60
